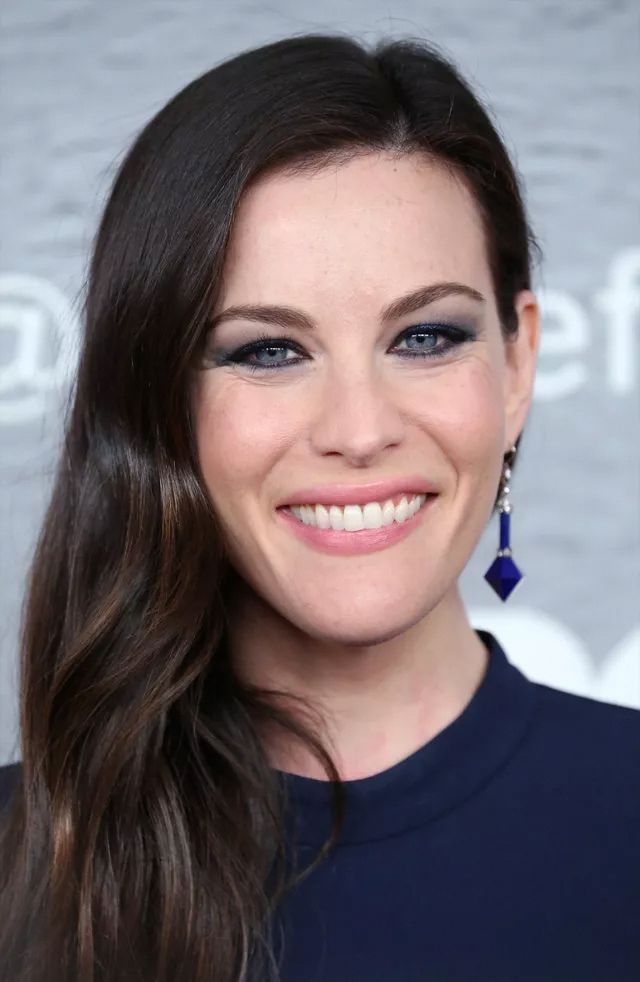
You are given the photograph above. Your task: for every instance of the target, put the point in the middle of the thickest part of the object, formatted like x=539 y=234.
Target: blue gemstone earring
x=503 y=574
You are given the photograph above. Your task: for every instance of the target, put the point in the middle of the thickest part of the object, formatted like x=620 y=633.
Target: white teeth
x=323 y=519
x=353 y=518
x=336 y=517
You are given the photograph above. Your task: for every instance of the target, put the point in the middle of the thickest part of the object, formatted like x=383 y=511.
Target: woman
x=259 y=732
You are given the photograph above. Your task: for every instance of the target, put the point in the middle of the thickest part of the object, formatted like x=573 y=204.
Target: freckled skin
x=341 y=245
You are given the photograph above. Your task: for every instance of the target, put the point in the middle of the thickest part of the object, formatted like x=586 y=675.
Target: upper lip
x=348 y=494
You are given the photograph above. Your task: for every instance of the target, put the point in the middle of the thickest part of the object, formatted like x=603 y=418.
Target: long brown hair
x=145 y=839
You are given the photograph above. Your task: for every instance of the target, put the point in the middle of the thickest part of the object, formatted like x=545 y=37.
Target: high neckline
x=434 y=778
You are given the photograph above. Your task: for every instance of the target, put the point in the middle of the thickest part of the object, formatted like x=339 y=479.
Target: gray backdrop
x=78 y=79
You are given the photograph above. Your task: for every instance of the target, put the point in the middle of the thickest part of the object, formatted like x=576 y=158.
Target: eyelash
x=454 y=336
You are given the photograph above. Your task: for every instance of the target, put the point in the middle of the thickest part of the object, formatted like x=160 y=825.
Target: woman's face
x=354 y=398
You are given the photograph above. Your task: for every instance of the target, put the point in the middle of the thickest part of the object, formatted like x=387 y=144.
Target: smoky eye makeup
x=430 y=338
x=266 y=353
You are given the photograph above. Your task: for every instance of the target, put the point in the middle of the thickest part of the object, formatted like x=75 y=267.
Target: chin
x=360 y=624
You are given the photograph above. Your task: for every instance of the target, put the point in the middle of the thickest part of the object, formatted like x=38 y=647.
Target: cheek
x=467 y=419
x=239 y=436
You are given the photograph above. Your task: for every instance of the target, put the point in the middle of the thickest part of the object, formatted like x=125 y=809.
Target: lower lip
x=354 y=543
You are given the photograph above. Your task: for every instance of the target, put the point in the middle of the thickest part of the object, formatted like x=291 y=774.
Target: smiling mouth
x=354 y=518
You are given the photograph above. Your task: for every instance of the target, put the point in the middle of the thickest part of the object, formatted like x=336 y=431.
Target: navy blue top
x=506 y=849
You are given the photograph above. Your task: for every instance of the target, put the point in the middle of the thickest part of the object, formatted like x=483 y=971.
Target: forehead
x=374 y=224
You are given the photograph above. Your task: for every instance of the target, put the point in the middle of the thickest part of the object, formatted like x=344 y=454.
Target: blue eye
x=426 y=337
x=432 y=341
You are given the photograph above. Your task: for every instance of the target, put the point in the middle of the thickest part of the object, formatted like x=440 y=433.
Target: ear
x=521 y=352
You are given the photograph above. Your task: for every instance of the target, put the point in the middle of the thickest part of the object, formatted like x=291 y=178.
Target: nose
x=357 y=416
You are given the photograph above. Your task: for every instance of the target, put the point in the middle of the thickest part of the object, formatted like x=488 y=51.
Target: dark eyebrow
x=289 y=317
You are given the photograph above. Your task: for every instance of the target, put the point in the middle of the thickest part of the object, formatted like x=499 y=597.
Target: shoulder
x=581 y=717
x=588 y=743
x=9 y=777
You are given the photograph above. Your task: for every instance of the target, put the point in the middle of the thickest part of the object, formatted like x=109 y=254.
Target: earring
x=503 y=574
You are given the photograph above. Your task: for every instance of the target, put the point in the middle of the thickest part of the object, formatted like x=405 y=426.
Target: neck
x=378 y=702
